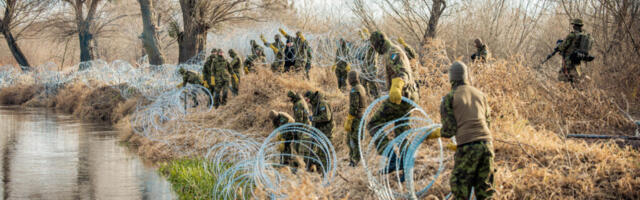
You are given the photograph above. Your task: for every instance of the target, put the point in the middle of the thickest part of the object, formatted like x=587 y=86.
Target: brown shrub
x=99 y=104
x=18 y=94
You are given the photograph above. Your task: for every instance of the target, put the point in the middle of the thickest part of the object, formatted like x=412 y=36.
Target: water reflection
x=51 y=156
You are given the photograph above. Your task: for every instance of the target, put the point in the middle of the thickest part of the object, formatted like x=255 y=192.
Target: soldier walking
x=357 y=104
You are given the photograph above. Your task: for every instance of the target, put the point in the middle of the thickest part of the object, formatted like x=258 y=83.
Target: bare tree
x=420 y=18
x=149 y=35
x=87 y=19
x=20 y=15
x=360 y=9
x=199 y=16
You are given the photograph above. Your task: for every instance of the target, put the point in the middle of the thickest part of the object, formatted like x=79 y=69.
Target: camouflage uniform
x=322 y=120
x=369 y=60
x=256 y=57
x=357 y=106
x=222 y=75
x=189 y=77
x=278 y=48
x=278 y=119
x=473 y=167
x=396 y=66
x=571 y=70
x=207 y=71
x=235 y=68
x=301 y=115
x=481 y=53
x=341 y=64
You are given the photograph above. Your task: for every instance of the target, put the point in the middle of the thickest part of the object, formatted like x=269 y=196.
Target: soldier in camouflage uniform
x=473 y=167
x=221 y=79
x=257 y=56
x=189 y=77
x=235 y=68
x=400 y=84
x=482 y=52
x=322 y=119
x=357 y=105
x=207 y=72
x=369 y=59
x=571 y=70
x=286 y=147
x=301 y=115
x=411 y=54
x=342 y=66
x=278 y=48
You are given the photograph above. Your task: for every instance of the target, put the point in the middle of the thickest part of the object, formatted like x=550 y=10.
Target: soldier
x=369 y=58
x=221 y=79
x=301 y=115
x=401 y=84
x=342 y=66
x=357 y=105
x=235 y=67
x=574 y=49
x=256 y=57
x=482 y=52
x=189 y=77
x=322 y=119
x=278 y=51
x=286 y=148
x=207 y=71
x=473 y=167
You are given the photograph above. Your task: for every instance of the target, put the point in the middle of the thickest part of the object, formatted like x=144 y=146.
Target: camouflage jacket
x=221 y=70
x=341 y=58
x=357 y=101
x=236 y=65
x=279 y=45
x=207 y=68
x=191 y=78
x=322 y=111
x=482 y=53
x=282 y=119
x=397 y=66
x=301 y=112
x=257 y=51
x=569 y=44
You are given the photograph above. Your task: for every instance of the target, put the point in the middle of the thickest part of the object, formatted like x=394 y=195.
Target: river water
x=47 y=155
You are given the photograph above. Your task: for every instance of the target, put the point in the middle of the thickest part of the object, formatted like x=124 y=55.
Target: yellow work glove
x=348 y=122
x=348 y=68
x=366 y=31
x=362 y=35
x=451 y=146
x=395 y=93
x=235 y=78
x=275 y=50
x=401 y=41
x=180 y=85
x=246 y=70
x=434 y=134
x=262 y=38
x=206 y=85
x=283 y=32
x=281 y=144
x=333 y=67
x=213 y=81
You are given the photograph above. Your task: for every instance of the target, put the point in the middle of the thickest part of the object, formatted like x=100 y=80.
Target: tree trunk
x=432 y=26
x=193 y=39
x=149 y=35
x=86 y=52
x=15 y=50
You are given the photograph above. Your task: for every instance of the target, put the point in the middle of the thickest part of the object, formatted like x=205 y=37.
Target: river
x=48 y=155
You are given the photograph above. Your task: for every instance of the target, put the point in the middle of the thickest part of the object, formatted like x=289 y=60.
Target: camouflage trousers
x=473 y=168
x=341 y=75
x=388 y=112
x=235 y=87
x=371 y=87
x=277 y=66
x=220 y=93
x=570 y=72
x=287 y=154
x=352 y=141
x=327 y=129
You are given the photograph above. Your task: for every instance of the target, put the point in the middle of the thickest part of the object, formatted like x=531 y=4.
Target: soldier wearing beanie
x=465 y=115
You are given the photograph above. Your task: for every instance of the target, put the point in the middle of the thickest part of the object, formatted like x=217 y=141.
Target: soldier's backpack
x=583 y=45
